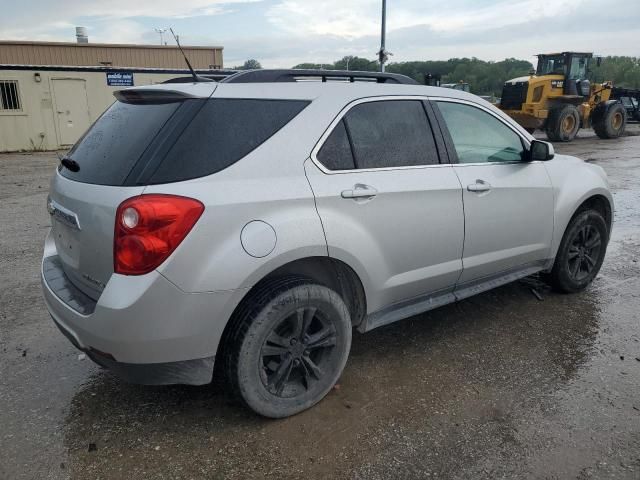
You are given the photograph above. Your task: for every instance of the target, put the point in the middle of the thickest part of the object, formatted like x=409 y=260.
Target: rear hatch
x=109 y=160
x=147 y=137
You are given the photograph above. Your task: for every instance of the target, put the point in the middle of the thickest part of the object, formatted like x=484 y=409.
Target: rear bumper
x=144 y=328
x=187 y=372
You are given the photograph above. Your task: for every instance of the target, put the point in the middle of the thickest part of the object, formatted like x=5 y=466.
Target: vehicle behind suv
x=253 y=223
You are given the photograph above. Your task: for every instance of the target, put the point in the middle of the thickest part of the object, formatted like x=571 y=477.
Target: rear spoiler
x=151 y=96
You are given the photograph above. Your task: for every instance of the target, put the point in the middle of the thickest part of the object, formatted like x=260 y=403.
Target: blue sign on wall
x=120 y=79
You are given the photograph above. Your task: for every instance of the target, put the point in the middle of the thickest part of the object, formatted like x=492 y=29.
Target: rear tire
x=563 y=123
x=612 y=123
x=288 y=346
x=580 y=254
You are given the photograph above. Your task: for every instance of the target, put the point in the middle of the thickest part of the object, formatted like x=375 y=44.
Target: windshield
x=551 y=65
x=578 y=69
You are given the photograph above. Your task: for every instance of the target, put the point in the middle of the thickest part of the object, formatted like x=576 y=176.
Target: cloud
x=359 y=18
x=282 y=33
x=122 y=31
x=331 y=17
x=45 y=19
x=319 y=33
x=130 y=9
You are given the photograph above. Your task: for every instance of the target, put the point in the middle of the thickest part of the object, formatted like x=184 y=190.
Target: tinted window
x=336 y=153
x=393 y=133
x=109 y=150
x=224 y=131
x=479 y=136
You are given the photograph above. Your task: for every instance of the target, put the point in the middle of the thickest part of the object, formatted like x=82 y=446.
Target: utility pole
x=161 y=32
x=382 y=54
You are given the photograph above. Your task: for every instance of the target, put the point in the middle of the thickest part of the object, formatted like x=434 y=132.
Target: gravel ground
x=502 y=385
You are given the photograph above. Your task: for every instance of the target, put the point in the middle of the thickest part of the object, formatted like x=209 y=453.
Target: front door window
x=480 y=137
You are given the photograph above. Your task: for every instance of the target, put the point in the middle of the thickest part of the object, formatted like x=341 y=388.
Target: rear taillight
x=149 y=228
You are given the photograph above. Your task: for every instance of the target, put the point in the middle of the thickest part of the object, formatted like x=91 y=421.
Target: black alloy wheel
x=297 y=352
x=581 y=252
x=584 y=252
x=288 y=346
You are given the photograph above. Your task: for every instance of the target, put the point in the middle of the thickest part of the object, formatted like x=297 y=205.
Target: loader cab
x=572 y=66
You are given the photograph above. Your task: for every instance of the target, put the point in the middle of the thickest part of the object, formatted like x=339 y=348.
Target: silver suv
x=256 y=221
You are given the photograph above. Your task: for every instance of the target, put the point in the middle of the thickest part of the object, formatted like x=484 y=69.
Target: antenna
x=193 y=72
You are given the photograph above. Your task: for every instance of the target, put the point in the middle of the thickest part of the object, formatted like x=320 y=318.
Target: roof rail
x=295 y=75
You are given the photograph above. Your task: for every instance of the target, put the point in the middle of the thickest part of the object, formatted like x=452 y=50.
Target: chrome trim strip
x=64 y=215
x=339 y=117
x=359 y=101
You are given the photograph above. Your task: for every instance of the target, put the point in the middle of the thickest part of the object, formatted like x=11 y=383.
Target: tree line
x=623 y=71
x=484 y=78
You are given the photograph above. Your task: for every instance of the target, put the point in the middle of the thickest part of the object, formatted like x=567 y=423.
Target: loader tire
x=609 y=120
x=563 y=123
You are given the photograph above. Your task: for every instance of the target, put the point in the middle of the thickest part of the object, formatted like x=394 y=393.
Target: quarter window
x=479 y=137
x=336 y=153
x=9 y=96
x=223 y=132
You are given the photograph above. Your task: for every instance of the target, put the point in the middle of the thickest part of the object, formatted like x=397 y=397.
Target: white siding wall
x=35 y=126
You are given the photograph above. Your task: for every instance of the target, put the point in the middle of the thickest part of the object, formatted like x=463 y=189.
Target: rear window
x=112 y=146
x=147 y=143
x=222 y=132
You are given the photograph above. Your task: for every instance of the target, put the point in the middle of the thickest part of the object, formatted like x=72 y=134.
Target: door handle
x=479 y=186
x=360 y=191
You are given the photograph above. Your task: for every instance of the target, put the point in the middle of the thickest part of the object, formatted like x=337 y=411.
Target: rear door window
x=222 y=132
x=112 y=146
x=391 y=133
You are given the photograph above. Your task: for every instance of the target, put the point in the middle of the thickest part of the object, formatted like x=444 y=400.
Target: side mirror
x=541 y=151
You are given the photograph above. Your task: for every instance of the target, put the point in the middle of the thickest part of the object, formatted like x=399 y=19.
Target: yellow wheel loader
x=559 y=99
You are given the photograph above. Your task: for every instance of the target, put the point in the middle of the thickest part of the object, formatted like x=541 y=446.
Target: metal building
x=107 y=54
x=51 y=92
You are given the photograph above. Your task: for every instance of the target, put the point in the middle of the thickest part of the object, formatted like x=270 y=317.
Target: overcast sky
x=281 y=33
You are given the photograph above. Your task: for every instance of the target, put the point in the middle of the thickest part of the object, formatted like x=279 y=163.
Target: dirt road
x=502 y=385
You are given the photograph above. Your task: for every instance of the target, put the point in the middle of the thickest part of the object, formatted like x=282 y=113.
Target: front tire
x=563 y=123
x=289 y=346
x=580 y=254
x=612 y=122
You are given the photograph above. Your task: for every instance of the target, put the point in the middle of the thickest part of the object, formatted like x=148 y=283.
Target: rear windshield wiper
x=69 y=164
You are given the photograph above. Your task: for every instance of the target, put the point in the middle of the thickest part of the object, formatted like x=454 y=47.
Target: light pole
x=161 y=32
x=383 y=54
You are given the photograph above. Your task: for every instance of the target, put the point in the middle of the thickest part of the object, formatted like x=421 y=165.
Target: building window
x=9 y=96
